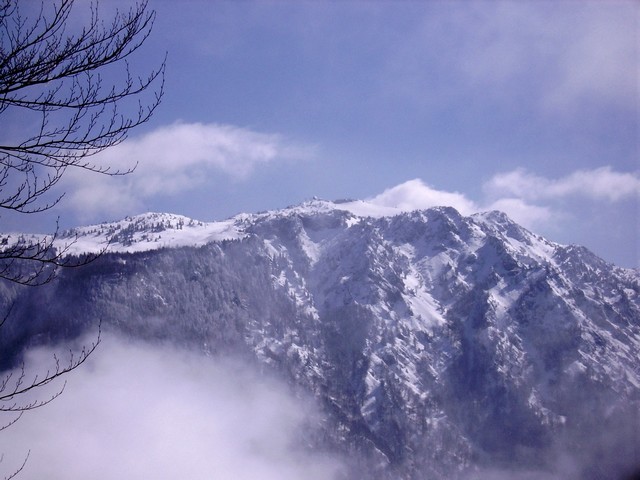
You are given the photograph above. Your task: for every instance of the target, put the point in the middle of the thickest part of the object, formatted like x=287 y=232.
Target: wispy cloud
x=531 y=200
x=141 y=412
x=599 y=58
x=598 y=184
x=415 y=194
x=526 y=214
x=552 y=56
x=174 y=159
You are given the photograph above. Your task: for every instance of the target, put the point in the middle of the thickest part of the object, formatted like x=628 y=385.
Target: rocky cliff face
x=439 y=345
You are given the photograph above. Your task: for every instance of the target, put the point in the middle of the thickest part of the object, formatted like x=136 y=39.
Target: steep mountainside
x=438 y=344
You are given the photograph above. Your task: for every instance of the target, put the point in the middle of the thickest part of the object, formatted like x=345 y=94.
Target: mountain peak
x=434 y=340
x=156 y=230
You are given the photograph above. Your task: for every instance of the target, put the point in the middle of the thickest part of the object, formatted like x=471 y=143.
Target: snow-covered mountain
x=151 y=231
x=439 y=345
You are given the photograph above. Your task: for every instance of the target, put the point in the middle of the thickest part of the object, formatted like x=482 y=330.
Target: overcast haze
x=528 y=107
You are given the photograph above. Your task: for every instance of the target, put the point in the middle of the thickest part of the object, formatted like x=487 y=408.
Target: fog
x=139 y=412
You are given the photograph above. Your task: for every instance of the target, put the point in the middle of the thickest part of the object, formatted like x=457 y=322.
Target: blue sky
x=529 y=107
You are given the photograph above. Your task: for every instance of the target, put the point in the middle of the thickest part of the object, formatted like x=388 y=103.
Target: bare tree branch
x=53 y=78
x=19 y=469
x=56 y=78
x=14 y=385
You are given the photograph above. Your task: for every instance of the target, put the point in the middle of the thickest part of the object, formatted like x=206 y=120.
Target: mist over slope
x=140 y=411
x=437 y=345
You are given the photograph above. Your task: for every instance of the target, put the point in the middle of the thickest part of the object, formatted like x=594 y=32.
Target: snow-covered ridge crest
x=148 y=231
x=357 y=208
x=153 y=231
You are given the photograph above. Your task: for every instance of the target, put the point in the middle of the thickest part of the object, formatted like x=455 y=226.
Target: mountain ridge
x=230 y=228
x=438 y=344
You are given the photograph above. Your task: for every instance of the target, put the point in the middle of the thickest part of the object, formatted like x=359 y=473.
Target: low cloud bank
x=141 y=412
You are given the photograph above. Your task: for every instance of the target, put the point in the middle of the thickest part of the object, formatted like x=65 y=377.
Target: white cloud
x=600 y=56
x=598 y=184
x=531 y=200
x=141 y=412
x=174 y=159
x=415 y=194
x=554 y=56
x=527 y=215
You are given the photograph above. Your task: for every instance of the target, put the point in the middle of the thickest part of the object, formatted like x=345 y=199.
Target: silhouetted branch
x=19 y=469
x=33 y=261
x=17 y=383
x=56 y=80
